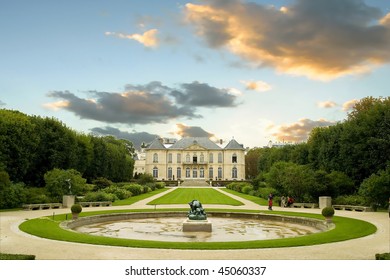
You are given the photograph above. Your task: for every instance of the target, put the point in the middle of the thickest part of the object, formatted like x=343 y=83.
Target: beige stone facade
x=194 y=158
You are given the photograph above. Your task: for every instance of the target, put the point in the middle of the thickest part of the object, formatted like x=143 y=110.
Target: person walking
x=270 y=198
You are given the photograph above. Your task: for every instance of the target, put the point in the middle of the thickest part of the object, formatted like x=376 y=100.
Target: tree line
x=30 y=146
x=351 y=158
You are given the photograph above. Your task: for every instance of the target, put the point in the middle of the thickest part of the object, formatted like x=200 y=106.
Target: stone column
x=325 y=201
x=68 y=201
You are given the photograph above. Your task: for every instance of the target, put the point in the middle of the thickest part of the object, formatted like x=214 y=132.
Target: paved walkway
x=12 y=240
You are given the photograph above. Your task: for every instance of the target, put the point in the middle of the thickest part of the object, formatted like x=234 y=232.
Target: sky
x=256 y=71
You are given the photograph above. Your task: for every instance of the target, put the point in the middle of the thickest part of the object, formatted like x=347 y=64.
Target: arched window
x=234 y=172
x=155 y=172
x=170 y=173
x=211 y=158
x=219 y=172
x=178 y=158
x=201 y=172
x=201 y=158
x=195 y=173
x=155 y=157
x=234 y=158
x=211 y=172
x=178 y=172
x=219 y=157
x=188 y=172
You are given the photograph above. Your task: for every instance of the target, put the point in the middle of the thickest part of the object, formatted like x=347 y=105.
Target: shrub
x=160 y=185
x=99 y=196
x=264 y=192
x=101 y=183
x=119 y=192
x=327 y=212
x=145 y=178
x=76 y=208
x=356 y=200
x=135 y=189
x=384 y=256
x=246 y=189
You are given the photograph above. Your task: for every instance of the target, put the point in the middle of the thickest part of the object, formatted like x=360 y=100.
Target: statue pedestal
x=68 y=201
x=197 y=225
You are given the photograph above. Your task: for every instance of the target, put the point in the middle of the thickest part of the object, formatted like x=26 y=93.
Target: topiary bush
x=327 y=212
x=76 y=208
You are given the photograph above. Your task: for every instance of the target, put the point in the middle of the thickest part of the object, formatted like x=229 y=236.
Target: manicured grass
x=345 y=228
x=204 y=195
x=16 y=257
x=137 y=198
x=255 y=199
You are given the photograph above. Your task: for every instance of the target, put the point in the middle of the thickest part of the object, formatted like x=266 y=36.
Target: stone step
x=195 y=183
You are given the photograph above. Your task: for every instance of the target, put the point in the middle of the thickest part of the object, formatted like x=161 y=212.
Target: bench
x=304 y=205
x=357 y=208
x=42 y=206
x=95 y=203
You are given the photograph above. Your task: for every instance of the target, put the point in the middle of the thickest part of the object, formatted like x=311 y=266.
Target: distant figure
x=290 y=201
x=270 y=198
x=283 y=201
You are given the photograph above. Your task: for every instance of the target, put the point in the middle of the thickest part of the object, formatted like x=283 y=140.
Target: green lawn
x=255 y=199
x=137 y=198
x=204 y=195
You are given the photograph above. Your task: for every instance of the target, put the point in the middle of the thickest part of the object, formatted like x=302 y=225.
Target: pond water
x=223 y=229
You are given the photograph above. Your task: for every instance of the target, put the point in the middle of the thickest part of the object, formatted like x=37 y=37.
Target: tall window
x=178 y=158
x=219 y=172
x=188 y=172
x=211 y=158
x=194 y=159
x=170 y=158
x=178 y=173
x=211 y=172
x=201 y=172
x=170 y=173
x=195 y=173
x=155 y=172
x=219 y=157
x=188 y=158
x=155 y=157
x=234 y=158
x=201 y=158
x=234 y=173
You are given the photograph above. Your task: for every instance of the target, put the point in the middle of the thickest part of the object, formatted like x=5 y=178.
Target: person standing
x=270 y=198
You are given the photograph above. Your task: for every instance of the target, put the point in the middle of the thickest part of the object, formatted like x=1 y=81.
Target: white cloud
x=257 y=85
x=347 y=106
x=148 y=39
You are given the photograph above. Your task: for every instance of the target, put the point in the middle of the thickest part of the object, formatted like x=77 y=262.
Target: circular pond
x=226 y=227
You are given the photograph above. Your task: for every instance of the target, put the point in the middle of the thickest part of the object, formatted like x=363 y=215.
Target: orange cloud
x=347 y=106
x=317 y=41
x=148 y=38
x=257 y=85
x=298 y=131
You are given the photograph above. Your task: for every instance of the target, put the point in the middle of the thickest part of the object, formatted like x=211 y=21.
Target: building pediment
x=195 y=147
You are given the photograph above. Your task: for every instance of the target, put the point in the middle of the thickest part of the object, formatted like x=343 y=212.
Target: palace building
x=192 y=158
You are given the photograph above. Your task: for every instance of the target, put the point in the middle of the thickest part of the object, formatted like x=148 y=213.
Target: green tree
x=376 y=188
x=58 y=181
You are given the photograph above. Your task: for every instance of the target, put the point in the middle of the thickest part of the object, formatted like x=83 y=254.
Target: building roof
x=156 y=145
x=201 y=141
x=233 y=145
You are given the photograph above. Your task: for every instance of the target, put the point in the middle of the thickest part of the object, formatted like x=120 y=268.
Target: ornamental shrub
x=327 y=212
x=135 y=189
x=76 y=208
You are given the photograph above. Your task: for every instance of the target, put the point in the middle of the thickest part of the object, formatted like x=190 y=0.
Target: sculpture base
x=197 y=225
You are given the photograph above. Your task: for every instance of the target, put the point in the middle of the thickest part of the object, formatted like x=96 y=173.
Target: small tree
x=61 y=182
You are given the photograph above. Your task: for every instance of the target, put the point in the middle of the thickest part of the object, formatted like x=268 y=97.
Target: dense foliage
x=349 y=161
x=30 y=146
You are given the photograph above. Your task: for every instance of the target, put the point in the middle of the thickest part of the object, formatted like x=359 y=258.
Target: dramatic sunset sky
x=255 y=70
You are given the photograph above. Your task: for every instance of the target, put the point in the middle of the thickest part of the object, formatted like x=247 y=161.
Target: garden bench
x=42 y=206
x=357 y=208
x=304 y=205
x=95 y=203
